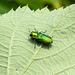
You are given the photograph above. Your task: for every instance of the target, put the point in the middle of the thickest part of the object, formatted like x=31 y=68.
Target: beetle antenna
x=35 y=29
x=29 y=35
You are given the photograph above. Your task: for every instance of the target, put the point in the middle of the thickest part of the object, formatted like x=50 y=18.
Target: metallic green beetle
x=38 y=36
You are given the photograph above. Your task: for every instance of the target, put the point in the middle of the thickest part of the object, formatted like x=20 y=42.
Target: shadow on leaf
x=38 y=43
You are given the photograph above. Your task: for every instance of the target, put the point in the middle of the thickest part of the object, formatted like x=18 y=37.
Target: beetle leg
x=51 y=36
x=35 y=44
x=44 y=31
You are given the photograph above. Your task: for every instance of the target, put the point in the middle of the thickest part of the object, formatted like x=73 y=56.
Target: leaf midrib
x=11 y=41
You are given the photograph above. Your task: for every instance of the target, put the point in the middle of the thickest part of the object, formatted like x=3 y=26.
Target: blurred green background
x=6 y=5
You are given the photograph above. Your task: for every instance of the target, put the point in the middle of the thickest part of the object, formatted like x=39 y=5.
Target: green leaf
x=17 y=53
